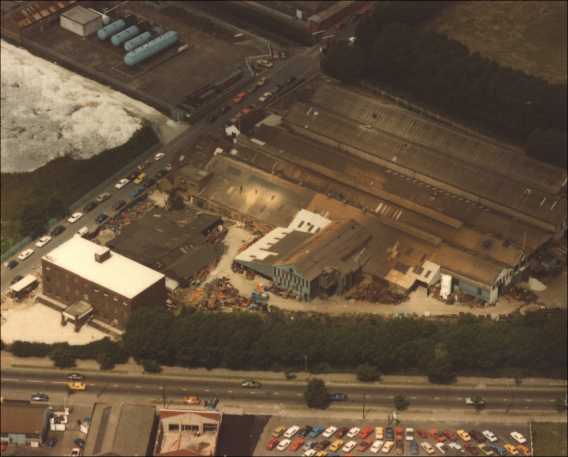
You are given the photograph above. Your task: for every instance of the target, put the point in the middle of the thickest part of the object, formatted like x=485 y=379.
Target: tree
x=368 y=373
x=440 y=369
x=346 y=63
x=146 y=333
x=32 y=220
x=316 y=394
x=56 y=208
x=151 y=366
x=400 y=402
x=62 y=358
x=106 y=361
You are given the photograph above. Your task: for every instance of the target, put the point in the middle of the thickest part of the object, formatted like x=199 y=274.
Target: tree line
x=442 y=73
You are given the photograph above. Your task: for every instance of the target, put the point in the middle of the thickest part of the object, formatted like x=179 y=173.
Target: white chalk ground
x=49 y=112
x=418 y=302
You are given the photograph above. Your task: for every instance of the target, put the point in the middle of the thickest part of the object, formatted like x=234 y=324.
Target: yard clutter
x=374 y=290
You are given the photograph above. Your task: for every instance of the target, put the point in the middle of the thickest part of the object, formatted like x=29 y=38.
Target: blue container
x=125 y=35
x=137 y=41
x=151 y=48
x=109 y=30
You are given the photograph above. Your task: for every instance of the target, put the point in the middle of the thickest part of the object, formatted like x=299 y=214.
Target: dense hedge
x=534 y=344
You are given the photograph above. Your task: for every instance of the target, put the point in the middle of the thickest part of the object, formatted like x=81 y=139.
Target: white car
x=441 y=447
x=43 y=241
x=310 y=453
x=409 y=434
x=489 y=435
x=75 y=217
x=283 y=445
x=427 y=447
x=454 y=445
x=329 y=431
x=265 y=97
x=376 y=446
x=518 y=437
x=353 y=432
x=349 y=446
x=75 y=452
x=25 y=254
x=387 y=447
x=291 y=431
x=159 y=156
x=120 y=184
x=379 y=433
x=83 y=231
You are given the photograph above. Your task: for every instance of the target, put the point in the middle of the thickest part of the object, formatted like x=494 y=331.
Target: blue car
x=498 y=449
x=316 y=431
x=337 y=397
x=137 y=192
x=414 y=448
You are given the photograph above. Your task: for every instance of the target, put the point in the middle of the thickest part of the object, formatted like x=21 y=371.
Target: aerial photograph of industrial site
x=283 y=228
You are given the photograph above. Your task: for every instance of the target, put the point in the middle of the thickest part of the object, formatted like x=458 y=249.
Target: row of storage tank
x=139 y=46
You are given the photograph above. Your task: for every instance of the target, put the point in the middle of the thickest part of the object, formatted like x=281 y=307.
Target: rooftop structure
x=98 y=265
x=23 y=423
x=127 y=430
x=81 y=21
x=187 y=433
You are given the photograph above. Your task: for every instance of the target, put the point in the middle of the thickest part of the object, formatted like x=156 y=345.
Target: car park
x=16 y=279
x=322 y=445
x=363 y=445
x=101 y=218
x=449 y=435
x=90 y=207
x=272 y=443
x=310 y=453
x=524 y=450
x=39 y=397
x=305 y=430
x=464 y=436
x=121 y=183
x=329 y=431
x=102 y=197
x=119 y=204
x=12 y=264
x=379 y=433
x=389 y=433
x=278 y=431
x=349 y=446
x=75 y=217
x=399 y=447
x=309 y=445
x=43 y=241
x=297 y=443
x=472 y=449
x=499 y=450
x=489 y=435
x=518 y=437
x=365 y=432
x=316 y=431
x=341 y=432
x=455 y=446
x=25 y=254
x=427 y=447
x=441 y=447
x=291 y=431
x=57 y=230
x=387 y=447
x=159 y=156
x=414 y=450
x=409 y=434
x=484 y=449
x=477 y=436
x=376 y=446
x=283 y=445
x=353 y=432
x=336 y=445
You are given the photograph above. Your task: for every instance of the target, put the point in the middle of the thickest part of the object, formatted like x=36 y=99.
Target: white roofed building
x=80 y=270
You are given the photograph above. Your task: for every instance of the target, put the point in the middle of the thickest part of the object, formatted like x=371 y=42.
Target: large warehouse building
x=82 y=271
x=81 y=21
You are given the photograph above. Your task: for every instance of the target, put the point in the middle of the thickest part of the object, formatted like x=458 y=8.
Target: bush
x=322 y=367
x=400 y=402
x=105 y=361
x=62 y=357
x=27 y=349
x=151 y=366
x=368 y=373
x=316 y=394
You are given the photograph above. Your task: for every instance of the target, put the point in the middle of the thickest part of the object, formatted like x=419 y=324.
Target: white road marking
x=229 y=391
x=34 y=380
x=551 y=400
x=276 y=393
x=206 y=390
x=413 y=398
x=138 y=387
x=436 y=398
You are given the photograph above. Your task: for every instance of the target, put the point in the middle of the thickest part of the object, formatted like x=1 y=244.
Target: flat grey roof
x=81 y=15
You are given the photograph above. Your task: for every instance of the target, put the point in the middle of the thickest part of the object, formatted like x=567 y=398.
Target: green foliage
x=62 y=357
x=27 y=349
x=316 y=394
x=105 y=361
x=151 y=366
x=346 y=63
x=368 y=373
x=147 y=332
x=440 y=368
x=322 y=367
x=400 y=402
x=32 y=220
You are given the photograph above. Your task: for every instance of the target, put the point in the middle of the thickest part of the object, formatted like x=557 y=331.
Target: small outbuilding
x=81 y=21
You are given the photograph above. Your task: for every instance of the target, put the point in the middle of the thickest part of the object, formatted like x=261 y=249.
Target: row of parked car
x=348 y=439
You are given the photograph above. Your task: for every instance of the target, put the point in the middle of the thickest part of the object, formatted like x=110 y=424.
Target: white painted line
x=551 y=400
x=413 y=398
x=35 y=380
x=436 y=398
x=138 y=387
x=229 y=391
x=252 y=392
x=276 y=393
x=206 y=390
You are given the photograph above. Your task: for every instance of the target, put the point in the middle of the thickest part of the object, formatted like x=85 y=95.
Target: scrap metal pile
x=524 y=295
x=374 y=290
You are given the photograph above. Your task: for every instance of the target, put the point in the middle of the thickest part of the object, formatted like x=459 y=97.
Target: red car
x=450 y=435
x=296 y=444
x=272 y=444
x=365 y=432
x=422 y=433
x=363 y=446
x=399 y=433
x=341 y=432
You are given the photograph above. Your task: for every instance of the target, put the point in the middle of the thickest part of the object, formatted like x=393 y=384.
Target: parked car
x=12 y=264
x=414 y=450
x=192 y=400
x=297 y=443
x=472 y=449
x=409 y=434
x=465 y=437
x=43 y=241
x=75 y=452
x=427 y=447
x=329 y=431
x=379 y=433
x=90 y=207
x=57 y=230
x=251 y=384
x=16 y=279
x=338 y=397
x=316 y=431
x=484 y=449
x=473 y=401
x=363 y=445
x=499 y=450
x=283 y=445
x=477 y=436
x=119 y=204
x=365 y=432
x=310 y=453
x=399 y=447
x=140 y=178
x=422 y=433
x=39 y=397
x=25 y=254
x=272 y=443
x=102 y=197
x=456 y=446
x=239 y=97
x=489 y=435
x=349 y=446
x=341 y=432
x=518 y=437
x=121 y=183
x=75 y=217
x=265 y=97
x=441 y=447
x=291 y=431
x=399 y=433
x=336 y=445
x=101 y=218
x=353 y=432
x=322 y=445
x=51 y=442
x=524 y=450
x=79 y=442
x=387 y=447
x=83 y=231
x=376 y=446
x=278 y=431
x=159 y=156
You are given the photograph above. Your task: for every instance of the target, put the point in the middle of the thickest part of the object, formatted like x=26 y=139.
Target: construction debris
x=524 y=295
x=374 y=290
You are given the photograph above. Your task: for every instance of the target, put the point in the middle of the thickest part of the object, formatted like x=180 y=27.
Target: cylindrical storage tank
x=151 y=48
x=111 y=29
x=125 y=35
x=137 y=41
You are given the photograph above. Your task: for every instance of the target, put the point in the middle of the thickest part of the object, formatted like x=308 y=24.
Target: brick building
x=80 y=270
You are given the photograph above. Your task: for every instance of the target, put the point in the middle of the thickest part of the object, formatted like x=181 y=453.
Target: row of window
x=191 y=427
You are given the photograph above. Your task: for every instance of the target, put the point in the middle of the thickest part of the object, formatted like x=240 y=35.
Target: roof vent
x=102 y=254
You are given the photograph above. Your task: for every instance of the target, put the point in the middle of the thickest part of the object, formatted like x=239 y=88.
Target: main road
x=21 y=383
